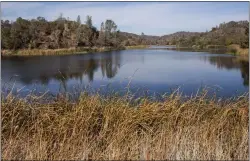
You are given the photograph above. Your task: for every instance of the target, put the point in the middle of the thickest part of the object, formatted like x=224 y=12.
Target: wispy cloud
x=154 y=18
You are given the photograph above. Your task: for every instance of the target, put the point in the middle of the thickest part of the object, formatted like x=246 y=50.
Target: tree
x=90 y=31
x=42 y=19
x=78 y=30
x=101 y=38
x=245 y=41
x=89 y=21
x=5 y=34
x=19 y=33
x=39 y=29
x=78 y=20
x=60 y=18
x=214 y=29
x=141 y=38
x=110 y=31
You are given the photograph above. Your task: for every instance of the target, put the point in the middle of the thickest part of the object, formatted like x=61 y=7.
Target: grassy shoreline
x=137 y=47
x=113 y=128
x=64 y=51
x=233 y=49
x=237 y=50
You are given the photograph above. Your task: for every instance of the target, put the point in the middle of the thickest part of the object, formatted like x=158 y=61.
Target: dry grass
x=137 y=47
x=29 y=52
x=66 y=51
x=115 y=128
x=237 y=50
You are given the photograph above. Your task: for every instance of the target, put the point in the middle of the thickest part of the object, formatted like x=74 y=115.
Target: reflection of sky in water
x=155 y=70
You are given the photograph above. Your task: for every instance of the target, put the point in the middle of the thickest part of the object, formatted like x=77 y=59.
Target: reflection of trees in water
x=225 y=62
x=110 y=66
x=61 y=68
x=244 y=67
x=91 y=68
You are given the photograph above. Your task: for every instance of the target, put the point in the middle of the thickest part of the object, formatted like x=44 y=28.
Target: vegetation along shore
x=237 y=50
x=66 y=51
x=63 y=36
x=114 y=127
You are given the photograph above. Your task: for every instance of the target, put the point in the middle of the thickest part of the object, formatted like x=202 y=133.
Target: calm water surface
x=151 y=71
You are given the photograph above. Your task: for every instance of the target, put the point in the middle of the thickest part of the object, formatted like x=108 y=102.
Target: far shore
x=231 y=49
x=65 y=51
x=237 y=50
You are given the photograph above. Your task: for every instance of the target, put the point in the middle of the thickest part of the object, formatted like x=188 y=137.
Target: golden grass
x=137 y=47
x=29 y=52
x=63 y=51
x=237 y=50
x=113 y=127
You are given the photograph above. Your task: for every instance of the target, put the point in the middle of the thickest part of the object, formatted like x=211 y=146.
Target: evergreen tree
x=78 y=20
x=89 y=21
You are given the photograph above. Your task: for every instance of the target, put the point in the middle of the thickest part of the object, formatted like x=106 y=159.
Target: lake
x=142 y=71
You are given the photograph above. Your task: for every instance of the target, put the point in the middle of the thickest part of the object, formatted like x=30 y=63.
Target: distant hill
x=134 y=39
x=172 y=39
x=63 y=33
x=226 y=34
x=223 y=35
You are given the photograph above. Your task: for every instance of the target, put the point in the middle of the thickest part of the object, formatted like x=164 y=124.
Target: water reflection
x=61 y=68
x=244 y=67
x=169 y=67
x=230 y=63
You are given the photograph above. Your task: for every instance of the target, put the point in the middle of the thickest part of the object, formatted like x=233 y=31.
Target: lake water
x=141 y=71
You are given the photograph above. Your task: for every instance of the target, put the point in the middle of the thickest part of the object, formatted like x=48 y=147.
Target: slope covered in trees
x=223 y=35
x=64 y=33
x=61 y=33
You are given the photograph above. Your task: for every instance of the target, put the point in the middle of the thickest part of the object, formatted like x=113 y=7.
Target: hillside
x=63 y=33
x=134 y=39
x=172 y=39
x=224 y=35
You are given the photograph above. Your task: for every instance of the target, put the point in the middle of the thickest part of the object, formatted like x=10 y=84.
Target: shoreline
x=232 y=50
x=65 y=51
x=238 y=51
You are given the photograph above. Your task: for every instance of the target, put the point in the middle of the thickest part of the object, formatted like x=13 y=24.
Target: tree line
x=64 y=33
x=223 y=35
x=61 y=33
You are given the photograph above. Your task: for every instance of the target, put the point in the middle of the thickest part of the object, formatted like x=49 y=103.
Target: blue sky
x=152 y=18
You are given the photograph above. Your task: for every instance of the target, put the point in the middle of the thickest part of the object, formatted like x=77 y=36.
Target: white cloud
x=150 y=18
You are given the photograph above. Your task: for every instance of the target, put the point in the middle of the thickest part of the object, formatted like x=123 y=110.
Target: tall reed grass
x=114 y=127
x=137 y=47
x=63 y=51
x=237 y=50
